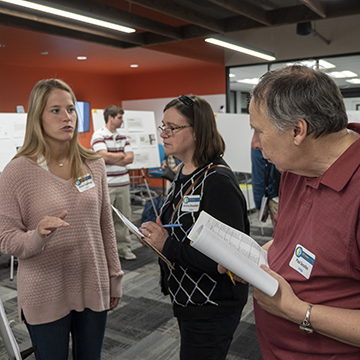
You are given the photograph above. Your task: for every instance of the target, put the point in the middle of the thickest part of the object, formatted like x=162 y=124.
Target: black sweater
x=196 y=288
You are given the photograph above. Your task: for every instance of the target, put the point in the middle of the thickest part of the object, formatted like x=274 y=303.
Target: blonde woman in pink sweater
x=55 y=217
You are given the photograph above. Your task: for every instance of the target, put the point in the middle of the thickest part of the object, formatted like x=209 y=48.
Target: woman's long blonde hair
x=35 y=144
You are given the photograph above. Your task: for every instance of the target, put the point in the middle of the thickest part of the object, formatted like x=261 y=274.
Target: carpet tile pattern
x=142 y=327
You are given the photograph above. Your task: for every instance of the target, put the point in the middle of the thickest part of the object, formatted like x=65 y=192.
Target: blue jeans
x=87 y=330
x=207 y=339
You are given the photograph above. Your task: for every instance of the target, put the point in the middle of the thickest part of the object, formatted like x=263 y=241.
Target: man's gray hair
x=298 y=92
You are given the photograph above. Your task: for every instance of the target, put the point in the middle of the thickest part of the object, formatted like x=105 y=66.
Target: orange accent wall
x=103 y=90
x=205 y=80
x=17 y=83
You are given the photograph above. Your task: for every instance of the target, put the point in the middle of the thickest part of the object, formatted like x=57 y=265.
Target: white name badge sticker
x=191 y=203
x=302 y=261
x=84 y=183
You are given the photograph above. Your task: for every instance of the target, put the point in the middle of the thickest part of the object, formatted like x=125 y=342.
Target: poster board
x=139 y=127
x=236 y=132
x=157 y=106
x=12 y=132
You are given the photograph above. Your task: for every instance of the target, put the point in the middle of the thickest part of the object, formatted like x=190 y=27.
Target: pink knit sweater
x=74 y=268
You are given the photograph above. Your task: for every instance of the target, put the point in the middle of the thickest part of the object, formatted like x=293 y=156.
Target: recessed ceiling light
x=353 y=81
x=252 y=81
x=349 y=73
x=70 y=15
x=326 y=65
x=342 y=74
x=81 y=57
x=134 y=65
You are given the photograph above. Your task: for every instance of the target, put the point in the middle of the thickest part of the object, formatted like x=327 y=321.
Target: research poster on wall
x=12 y=132
x=140 y=129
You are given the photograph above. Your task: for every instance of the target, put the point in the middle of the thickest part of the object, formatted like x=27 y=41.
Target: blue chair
x=156 y=173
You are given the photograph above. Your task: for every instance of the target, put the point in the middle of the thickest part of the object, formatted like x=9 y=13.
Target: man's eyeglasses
x=169 y=130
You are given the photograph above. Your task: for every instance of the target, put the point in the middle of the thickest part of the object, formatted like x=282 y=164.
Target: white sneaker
x=128 y=255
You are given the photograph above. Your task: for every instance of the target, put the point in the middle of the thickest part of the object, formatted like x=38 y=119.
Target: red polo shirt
x=320 y=218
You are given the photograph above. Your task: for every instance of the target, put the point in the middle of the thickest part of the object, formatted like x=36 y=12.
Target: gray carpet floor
x=142 y=327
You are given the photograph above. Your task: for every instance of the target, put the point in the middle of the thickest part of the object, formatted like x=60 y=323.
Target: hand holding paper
x=140 y=236
x=234 y=250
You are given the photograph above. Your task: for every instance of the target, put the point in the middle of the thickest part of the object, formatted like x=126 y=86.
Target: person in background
x=207 y=305
x=300 y=124
x=265 y=180
x=169 y=166
x=56 y=219
x=115 y=148
x=171 y=163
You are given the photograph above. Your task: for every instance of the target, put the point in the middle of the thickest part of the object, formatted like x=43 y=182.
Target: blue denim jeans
x=87 y=330
x=207 y=339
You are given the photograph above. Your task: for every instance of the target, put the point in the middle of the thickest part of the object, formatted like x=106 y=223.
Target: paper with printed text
x=234 y=250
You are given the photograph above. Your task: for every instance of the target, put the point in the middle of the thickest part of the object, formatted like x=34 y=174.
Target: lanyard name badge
x=84 y=183
x=302 y=261
x=191 y=203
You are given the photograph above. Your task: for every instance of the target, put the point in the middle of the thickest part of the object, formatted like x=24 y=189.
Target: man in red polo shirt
x=300 y=125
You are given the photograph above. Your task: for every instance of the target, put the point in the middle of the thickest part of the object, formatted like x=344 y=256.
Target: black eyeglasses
x=186 y=100
x=169 y=130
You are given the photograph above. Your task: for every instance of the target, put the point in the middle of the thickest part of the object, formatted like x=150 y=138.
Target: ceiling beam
x=94 y=9
x=301 y=13
x=76 y=31
x=246 y=9
x=194 y=32
x=27 y=24
x=317 y=6
x=182 y=13
x=292 y=15
x=342 y=8
x=238 y=23
x=63 y=24
x=155 y=32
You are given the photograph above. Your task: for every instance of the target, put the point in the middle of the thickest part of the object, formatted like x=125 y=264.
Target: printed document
x=236 y=251
x=140 y=236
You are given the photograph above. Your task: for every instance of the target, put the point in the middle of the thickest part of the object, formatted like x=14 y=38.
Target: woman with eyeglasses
x=207 y=304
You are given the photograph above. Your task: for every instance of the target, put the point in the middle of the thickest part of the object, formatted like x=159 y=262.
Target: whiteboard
x=139 y=127
x=236 y=132
x=12 y=133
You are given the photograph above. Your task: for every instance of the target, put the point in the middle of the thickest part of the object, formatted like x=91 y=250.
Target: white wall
x=351 y=103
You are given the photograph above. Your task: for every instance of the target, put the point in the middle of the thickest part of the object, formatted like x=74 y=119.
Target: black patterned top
x=196 y=288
